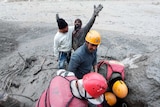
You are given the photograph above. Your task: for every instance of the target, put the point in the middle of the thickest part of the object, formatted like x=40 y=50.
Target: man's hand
x=97 y=9
x=57 y=16
x=95 y=68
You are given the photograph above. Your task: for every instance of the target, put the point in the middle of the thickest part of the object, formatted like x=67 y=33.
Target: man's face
x=64 y=30
x=77 y=24
x=91 y=47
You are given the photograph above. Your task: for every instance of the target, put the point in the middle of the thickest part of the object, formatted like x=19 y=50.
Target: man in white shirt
x=63 y=42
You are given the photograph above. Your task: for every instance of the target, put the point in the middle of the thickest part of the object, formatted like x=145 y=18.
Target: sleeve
x=57 y=17
x=55 y=46
x=92 y=19
x=74 y=63
x=86 y=28
x=64 y=73
x=95 y=59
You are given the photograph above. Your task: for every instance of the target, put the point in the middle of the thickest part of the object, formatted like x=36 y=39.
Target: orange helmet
x=110 y=98
x=95 y=84
x=93 y=37
x=120 y=89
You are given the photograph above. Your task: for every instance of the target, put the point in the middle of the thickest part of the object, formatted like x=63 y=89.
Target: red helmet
x=95 y=84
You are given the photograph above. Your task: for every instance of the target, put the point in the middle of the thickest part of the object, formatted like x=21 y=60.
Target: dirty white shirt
x=63 y=41
x=75 y=91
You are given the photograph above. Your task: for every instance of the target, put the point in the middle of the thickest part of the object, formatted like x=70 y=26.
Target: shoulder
x=71 y=28
x=57 y=35
x=79 y=51
x=78 y=54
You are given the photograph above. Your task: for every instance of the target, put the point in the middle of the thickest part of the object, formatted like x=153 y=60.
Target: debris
x=40 y=68
x=26 y=63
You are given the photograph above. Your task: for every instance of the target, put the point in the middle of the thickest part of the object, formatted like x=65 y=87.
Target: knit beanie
x=62 y=23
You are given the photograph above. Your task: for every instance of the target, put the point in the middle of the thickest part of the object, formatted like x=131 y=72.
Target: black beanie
x=62 y=23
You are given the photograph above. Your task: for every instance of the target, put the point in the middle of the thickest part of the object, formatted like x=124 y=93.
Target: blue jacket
x=82 y=61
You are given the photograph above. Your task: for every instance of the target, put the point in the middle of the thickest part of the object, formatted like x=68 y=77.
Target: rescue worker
x=84 y=59
x=79 y=33
x=63 y=42
x=65 y=90
x=117 y=90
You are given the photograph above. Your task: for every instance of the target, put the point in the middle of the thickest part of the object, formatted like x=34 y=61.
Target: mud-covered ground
x=28 y=28
x=8 y=41
x=13 y=34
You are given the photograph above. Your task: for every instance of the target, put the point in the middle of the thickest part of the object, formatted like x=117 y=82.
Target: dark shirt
x=82 y=61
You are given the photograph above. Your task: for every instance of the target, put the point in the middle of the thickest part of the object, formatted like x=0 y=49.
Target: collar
x=86 y=48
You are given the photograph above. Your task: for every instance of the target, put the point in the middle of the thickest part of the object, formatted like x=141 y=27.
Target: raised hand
x=97 y=9
x=57 y=16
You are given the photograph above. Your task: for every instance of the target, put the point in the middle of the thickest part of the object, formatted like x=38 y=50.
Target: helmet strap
x=79 y=91
x=84 y=95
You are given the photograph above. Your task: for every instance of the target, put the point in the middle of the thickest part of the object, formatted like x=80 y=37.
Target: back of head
x=62 y=23
x=120 y=89
x=95 y=84
x=93 y=37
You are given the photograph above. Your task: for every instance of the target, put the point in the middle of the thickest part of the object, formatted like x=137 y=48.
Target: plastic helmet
x=120 y=89
x=93 y=37
x=95 y=84
x=110 y=98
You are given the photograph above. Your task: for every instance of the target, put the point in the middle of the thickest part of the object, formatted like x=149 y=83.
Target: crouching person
x=65 y=90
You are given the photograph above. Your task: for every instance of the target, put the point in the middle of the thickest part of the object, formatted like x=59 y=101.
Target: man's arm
x=95 y=68
x=55 y=47
x=92 y=20
x=57 y=17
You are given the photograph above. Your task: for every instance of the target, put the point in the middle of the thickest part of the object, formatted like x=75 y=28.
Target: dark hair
x=62 y=23
x=79 y=20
